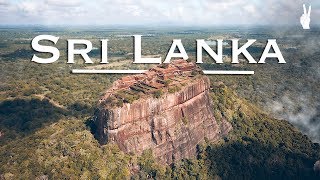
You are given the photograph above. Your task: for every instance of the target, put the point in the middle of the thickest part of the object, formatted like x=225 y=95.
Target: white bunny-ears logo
x=305 y=18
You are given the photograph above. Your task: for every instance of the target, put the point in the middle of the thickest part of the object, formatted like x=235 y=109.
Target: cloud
x=301 y=112
x=29 y=8
x=4 y=2
x=185 y=12
x=63 y=3
x=250 y=8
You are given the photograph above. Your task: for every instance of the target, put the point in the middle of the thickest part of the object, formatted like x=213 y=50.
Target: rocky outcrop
x=171 y=124
x=316 y=167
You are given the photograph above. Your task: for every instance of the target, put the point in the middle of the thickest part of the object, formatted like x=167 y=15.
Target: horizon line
x=157 y=25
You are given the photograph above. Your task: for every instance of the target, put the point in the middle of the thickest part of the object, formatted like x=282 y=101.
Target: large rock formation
x=167 y=109
x=316 y=167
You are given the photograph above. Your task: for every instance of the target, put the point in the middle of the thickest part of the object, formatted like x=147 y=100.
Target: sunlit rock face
x=171 y=124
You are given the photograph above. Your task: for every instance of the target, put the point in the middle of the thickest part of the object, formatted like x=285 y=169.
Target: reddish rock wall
x=171 y=125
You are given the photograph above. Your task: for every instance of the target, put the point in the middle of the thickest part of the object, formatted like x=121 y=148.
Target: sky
x=155 y=12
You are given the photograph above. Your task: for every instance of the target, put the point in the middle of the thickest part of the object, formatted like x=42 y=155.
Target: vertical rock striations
x=167 y=109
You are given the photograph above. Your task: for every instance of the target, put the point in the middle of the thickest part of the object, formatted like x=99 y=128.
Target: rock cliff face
x=171 y=124
x=316 y=167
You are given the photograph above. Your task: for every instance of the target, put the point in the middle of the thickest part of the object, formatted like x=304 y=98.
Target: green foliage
x=174 y=89
x=119 y=103
x=258 y=146
x=120 y=98
x=63 y=150
x=164 y=65
x=20 y=117
x=149 y=168
x=127 y=97
x=157 y=94
x=191 y=169
x=185 y=120
x=111 y=101
x=52 y=82
x=167 y=82
x=194 y=72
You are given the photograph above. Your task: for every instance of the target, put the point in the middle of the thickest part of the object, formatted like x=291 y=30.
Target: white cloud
x=4 y=2
x=300 y=111
x=250 y=8
x=63 y=3
x=188 y=12
x=30 y=8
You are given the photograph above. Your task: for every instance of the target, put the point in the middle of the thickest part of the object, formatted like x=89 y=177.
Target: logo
x=305 y=18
